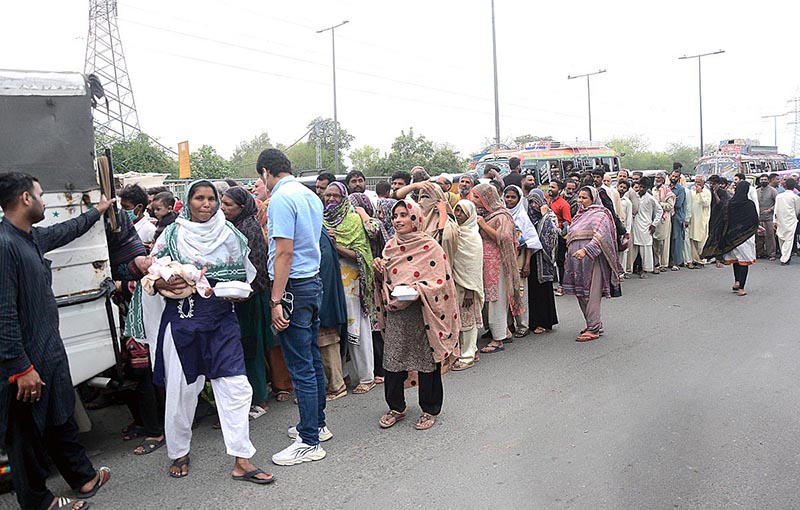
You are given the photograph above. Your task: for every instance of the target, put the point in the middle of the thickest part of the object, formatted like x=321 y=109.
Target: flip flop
x=149 y=446
x=69 y=504
x=256 y=412
x=104 y=475
x=180 y=464
x=251 y=477
x=363 y=388
x=282 y=396
x=587 y=337
x=493 y=349
x=389 y=419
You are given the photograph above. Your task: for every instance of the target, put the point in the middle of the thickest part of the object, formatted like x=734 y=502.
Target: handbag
x=616 y=290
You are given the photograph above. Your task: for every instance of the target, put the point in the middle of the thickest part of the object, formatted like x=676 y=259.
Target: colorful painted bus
x=550 y=160
x=745 y=156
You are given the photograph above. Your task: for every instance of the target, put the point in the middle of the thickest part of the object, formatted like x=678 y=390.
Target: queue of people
x=401 y=282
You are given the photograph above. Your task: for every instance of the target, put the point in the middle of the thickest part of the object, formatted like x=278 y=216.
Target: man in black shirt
x=37 y=400
x=514 y=177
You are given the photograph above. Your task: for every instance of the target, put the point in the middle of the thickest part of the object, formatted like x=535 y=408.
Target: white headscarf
x=468 y=262
x=523 y=222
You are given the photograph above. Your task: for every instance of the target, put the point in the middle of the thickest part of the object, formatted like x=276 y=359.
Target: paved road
x=689 y=401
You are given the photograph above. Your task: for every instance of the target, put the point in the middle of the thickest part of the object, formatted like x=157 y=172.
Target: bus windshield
x=722 y=166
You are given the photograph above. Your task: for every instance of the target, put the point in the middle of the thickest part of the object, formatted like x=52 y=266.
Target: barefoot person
x=199 y=336
x=422 y=333
x=37 y=400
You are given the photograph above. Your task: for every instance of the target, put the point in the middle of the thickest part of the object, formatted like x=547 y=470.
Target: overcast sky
x=428 y=65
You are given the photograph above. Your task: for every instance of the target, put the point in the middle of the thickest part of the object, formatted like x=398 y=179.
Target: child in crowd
x=163 y=204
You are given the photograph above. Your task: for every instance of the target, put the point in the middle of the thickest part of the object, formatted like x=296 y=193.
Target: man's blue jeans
x=301 y=352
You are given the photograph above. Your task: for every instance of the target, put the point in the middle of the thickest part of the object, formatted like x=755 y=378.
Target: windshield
x=721 y=166
x=501 y=164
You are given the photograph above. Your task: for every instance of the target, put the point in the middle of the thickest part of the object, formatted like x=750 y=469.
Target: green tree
x=304 y=157
x=244 y=157
x=446 y=160
x=207 y=164
x=367 y=159
x=409 y=151
x=521 y=140
x=138 y=154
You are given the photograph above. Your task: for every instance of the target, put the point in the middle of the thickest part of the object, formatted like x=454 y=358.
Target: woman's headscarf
x=522 y=221
x=468 y=262
x=736 y=222
x=597 y=223
x=416 y=260
x=350 y=234
x=428 y=200
x=547 y=227
x=363 y=201
x=215 y=245
x=500 y=219
x=385 y=206
x=247 y=223
x=335 y=213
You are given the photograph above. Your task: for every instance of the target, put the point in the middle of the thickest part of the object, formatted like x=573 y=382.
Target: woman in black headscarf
x=240 y=209
x=732 y=235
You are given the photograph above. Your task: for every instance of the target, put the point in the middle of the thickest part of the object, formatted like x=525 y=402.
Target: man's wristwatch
x=273 y=303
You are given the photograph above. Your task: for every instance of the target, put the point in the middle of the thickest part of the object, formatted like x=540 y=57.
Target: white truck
x=46 y=130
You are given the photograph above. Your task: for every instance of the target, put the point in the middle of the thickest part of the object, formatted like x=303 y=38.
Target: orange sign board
x=184 y=170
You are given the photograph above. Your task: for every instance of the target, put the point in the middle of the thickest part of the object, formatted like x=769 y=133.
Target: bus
x=743 y=156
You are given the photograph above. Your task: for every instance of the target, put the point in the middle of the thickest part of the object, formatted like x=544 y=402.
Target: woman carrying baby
x=199 y=336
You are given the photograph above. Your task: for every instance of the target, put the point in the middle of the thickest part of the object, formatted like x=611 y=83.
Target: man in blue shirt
x=678 y=218
x=294 y=221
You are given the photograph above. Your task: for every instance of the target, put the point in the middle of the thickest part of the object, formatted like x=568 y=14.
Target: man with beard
x=356 y=182
x=765 y=245
x=445 y=183
x=663 y=234
x=678 y=236
x=37 y=417
x=562 y=211
x=528 y=183
x=465 y=184
x=571 y=196
x=623 y=175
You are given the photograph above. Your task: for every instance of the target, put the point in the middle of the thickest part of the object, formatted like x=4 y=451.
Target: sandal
x=256 y=412
x=674 y=268
x=742 y=292
x=461 y=365
x=282 y=396
x=336 y=394
x=363 y=388
x=521 y=332
x=735 y=287
x=587 y=337
x=180 y=464
x=490 y=349
x=425 y=421
x=68 y=504
x=103 y=476
x=392 y=417
x=379 y=379
x=251 y=476
x=132 y=432
x=148 y=446
x=539 y=330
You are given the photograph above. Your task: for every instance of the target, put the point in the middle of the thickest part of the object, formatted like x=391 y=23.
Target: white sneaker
x=297 y=453
x=324 y=433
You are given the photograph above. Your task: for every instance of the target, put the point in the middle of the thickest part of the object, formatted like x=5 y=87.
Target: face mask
x=131 y=214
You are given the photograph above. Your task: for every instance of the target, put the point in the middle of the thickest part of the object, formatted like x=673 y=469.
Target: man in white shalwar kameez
x=644 y=224
x=663 y=234
x=700 y=200
x=787 y=210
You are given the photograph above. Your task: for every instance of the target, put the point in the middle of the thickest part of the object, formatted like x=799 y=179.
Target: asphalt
x=689 y=401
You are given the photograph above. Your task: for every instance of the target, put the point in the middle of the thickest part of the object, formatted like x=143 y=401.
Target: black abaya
x=541 y=301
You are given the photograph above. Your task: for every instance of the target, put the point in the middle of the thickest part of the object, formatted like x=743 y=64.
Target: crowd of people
x=340 y=290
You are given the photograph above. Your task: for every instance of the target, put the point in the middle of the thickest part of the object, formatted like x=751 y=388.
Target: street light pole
x=496 y=97
x=700 y=87
x=589 y=94
x=335 y=113
x=775 y=121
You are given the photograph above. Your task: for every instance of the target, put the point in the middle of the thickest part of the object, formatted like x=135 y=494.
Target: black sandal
x=103 y=476
x=69 y=504
x=178 y=463
x=148 y=446
x=252 y=476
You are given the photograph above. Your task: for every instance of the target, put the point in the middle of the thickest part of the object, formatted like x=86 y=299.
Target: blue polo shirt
x=295 y=213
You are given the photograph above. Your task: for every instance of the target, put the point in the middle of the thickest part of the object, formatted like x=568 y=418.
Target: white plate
x=235 y=290
x=404 y=293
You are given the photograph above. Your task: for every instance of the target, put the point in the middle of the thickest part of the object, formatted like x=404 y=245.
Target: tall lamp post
x=496 y=97
x=589 y=93
x=775 y=125
x=335 y=115
x=700 y=87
